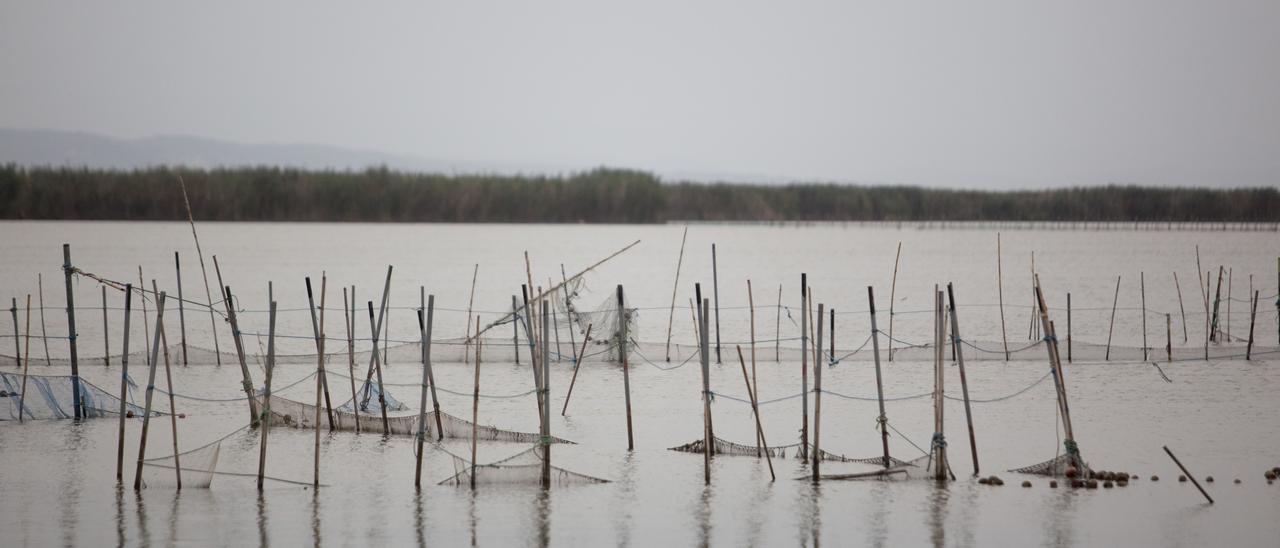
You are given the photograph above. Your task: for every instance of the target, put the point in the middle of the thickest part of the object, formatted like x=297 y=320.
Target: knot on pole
x=248 y=386
x=1071 y=447
x=1050 y=338
x=545 y=440
x=939 y=441
x=881 y=422
x=709 y=395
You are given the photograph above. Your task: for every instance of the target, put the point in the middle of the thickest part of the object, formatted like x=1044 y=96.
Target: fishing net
x=721 y=446
x=523 y=468
x=197 y=467
x=52 y=397
x=369 y=400
x=1058 y=465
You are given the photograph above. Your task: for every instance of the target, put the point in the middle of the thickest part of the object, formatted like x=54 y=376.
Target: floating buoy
x=1182 y=478
x=983 y=481
x=1107 y=484
x=1122 y=483
x=995 y=480
x=1091 y=484
x=1053 y=484
x=182 y=415
x=1026 y=483
x=1237 y=481
x=1133 y=477
x=1077 y=483
x=1072 y=472
x=1269 y=475
x=129 y=414
x=1155 y=478
x=1208 y=479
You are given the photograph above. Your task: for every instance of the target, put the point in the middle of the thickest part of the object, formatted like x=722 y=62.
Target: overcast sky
x=959 y=94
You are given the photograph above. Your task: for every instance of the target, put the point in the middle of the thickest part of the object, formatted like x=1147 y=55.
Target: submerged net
x=523 y=468
x=721 y=446
x=1058 y=465
x=286 y=412
x=52 y=397
x=198 y=467
x=369 y=401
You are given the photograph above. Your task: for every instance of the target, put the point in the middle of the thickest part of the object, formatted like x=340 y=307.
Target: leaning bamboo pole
x=429 y=305
x=349 y=323
x=1253 y=314
x=576 y=364
x=475 y=272
x=671 y=316
x=1111 y=328
x=213 y=324
x=78 y=404
x=182 y=310
x=882 y=420
x=151 y=388
x=817 y=403
x=44 y=335
x=1000 y=295
x=893 y=295
x=266 y=394
x=475 y=407
x=568 y=314
x=761 y=444
x=17 y=339
x=26 y=363
x=173 y=408
x=424 y=329
x=957 y=342
x=124 y=383
x=1217 y=301
x=626 y=369
x=1059 y=380
x=1182 y=308
x=375 y=362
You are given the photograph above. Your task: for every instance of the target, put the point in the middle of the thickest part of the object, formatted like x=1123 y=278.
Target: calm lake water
x=1219 y=415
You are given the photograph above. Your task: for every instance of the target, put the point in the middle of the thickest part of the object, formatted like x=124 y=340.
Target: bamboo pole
x=1068 y=327
x=1217 y=301
x=142 y=296
x=1059 y=380
x=475 y=405
x=893 y=295
x=1277 y=300
x=761 y=444
x=213 y=325
x=173 y=408
x=375 y=362
x=245 y=379
x=544 y=420
x=751 y=305
x=44 y=335
x=349 y=323
x=882 y=420
x=151 y=387
x=515 y=330
x=576 y=365
x=124 y=383
x=1188 y=474
x=26 y=364
x=1168 y=333
x=1207 y=331
x=1182 y=308
x=675 y=286
x=17 y=340
x=319 y=341
x=1253 y=314
x=475 y=272
x=626 y=369
x=1142 y=285
x=817 y=403
x=832 y=335
x=78 y=404
x=704 y=344
x=804 y=365
x=182 y=311
x=1112 y=326
x=266 y=395
x=964 y=383
x=938 y=446
x=715 y=293
x=1229 y=295
x=531 y=333
x=429 y=305
x=106 y=332
x=424 y=329
x=1000 y=294
x=568 y=313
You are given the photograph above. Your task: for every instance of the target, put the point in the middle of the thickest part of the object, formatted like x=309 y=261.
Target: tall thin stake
x=182 y=310
x=882 y=420
x=17 y=339
x=568 y=313
x=671 y=316
x=124 y=383
x=106 y=333
x=1000 y=293
x=1253 y=314
x=777 y=327
x=576 y=365
x=893 y=296
x=964 y=383
x=1142 y=287
x=173 y=408
x=348 y=322
x=425 y=330
x=715 y=293
x=475 y=272
x=44 y=335
x=626 y=369
x=246 y=382
x=67 y=270
x=213 y=324
x=266 y=395
x=375 y=363
x=475 y=405
x=817 y=403
x=26 y=363
x=761 y=444
x=1068 y=327
x=751 y=305
x=1112 y=327
x=804 y=365
x=515 y=329
x=1182 y=308
x=704 y=345
x=151 y=388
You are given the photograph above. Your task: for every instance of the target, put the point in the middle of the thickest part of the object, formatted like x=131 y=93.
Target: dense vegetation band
x=598 y=196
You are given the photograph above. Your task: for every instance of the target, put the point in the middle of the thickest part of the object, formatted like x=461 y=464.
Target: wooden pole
x=939 y=447
x=675 y=286
x=1055 y=367
x=1112 y=326
x=751 y=305
x=761 y=445
x=44 y=335
x=245 y=379
x=555 y=322
x=1277 y=300
x=804 y=365
x=429 y=304
x=375 y=360
x=424 y=328
x=882 y=419
x=704 y=344
x=67 y=270
x=151 y=387
x=1032 y=328
x=173 y=407
x=1253 y=314
x=817 y=403
x=515 y=329
x=1168 y=333
x=1000 y=294
x=1142 y=285
x=1182 y=308
x=964 y=384
x=26 y=364
x=1068 y=327
x=832 y=335
x=544 y=420
x=1217 y=301
x=626 y=370
x=576 y=364
x=106 y=332
x=17 y=340
x=213 y=324
x=475 y=405
x=531 y=333
x=1229 y=295
x=266 y=395
x=319 y=341
x=348 y=322
x=1208 y=332
x=715 y=292
x=124 y=383
x=1188 y=474
x=893 y=295
x=182 y=311
x=475 y=272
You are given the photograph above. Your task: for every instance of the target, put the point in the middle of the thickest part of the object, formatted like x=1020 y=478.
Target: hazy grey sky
x=972 y=94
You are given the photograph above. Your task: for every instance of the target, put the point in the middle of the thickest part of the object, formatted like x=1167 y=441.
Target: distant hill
x=30 y=147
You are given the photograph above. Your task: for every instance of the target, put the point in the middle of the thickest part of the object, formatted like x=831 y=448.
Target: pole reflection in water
x=419 y=520
x=262 y=521
x=144 y=536
x=937 y=513
x=625 y=499
x=877 y=519
x=120 y=528
x=542 y=504
x=315 y=518
x=704 y=517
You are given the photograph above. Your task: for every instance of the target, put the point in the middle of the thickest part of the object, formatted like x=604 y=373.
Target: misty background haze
x=993 y=95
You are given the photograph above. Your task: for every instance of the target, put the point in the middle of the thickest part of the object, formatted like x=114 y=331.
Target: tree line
x=598 y=196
